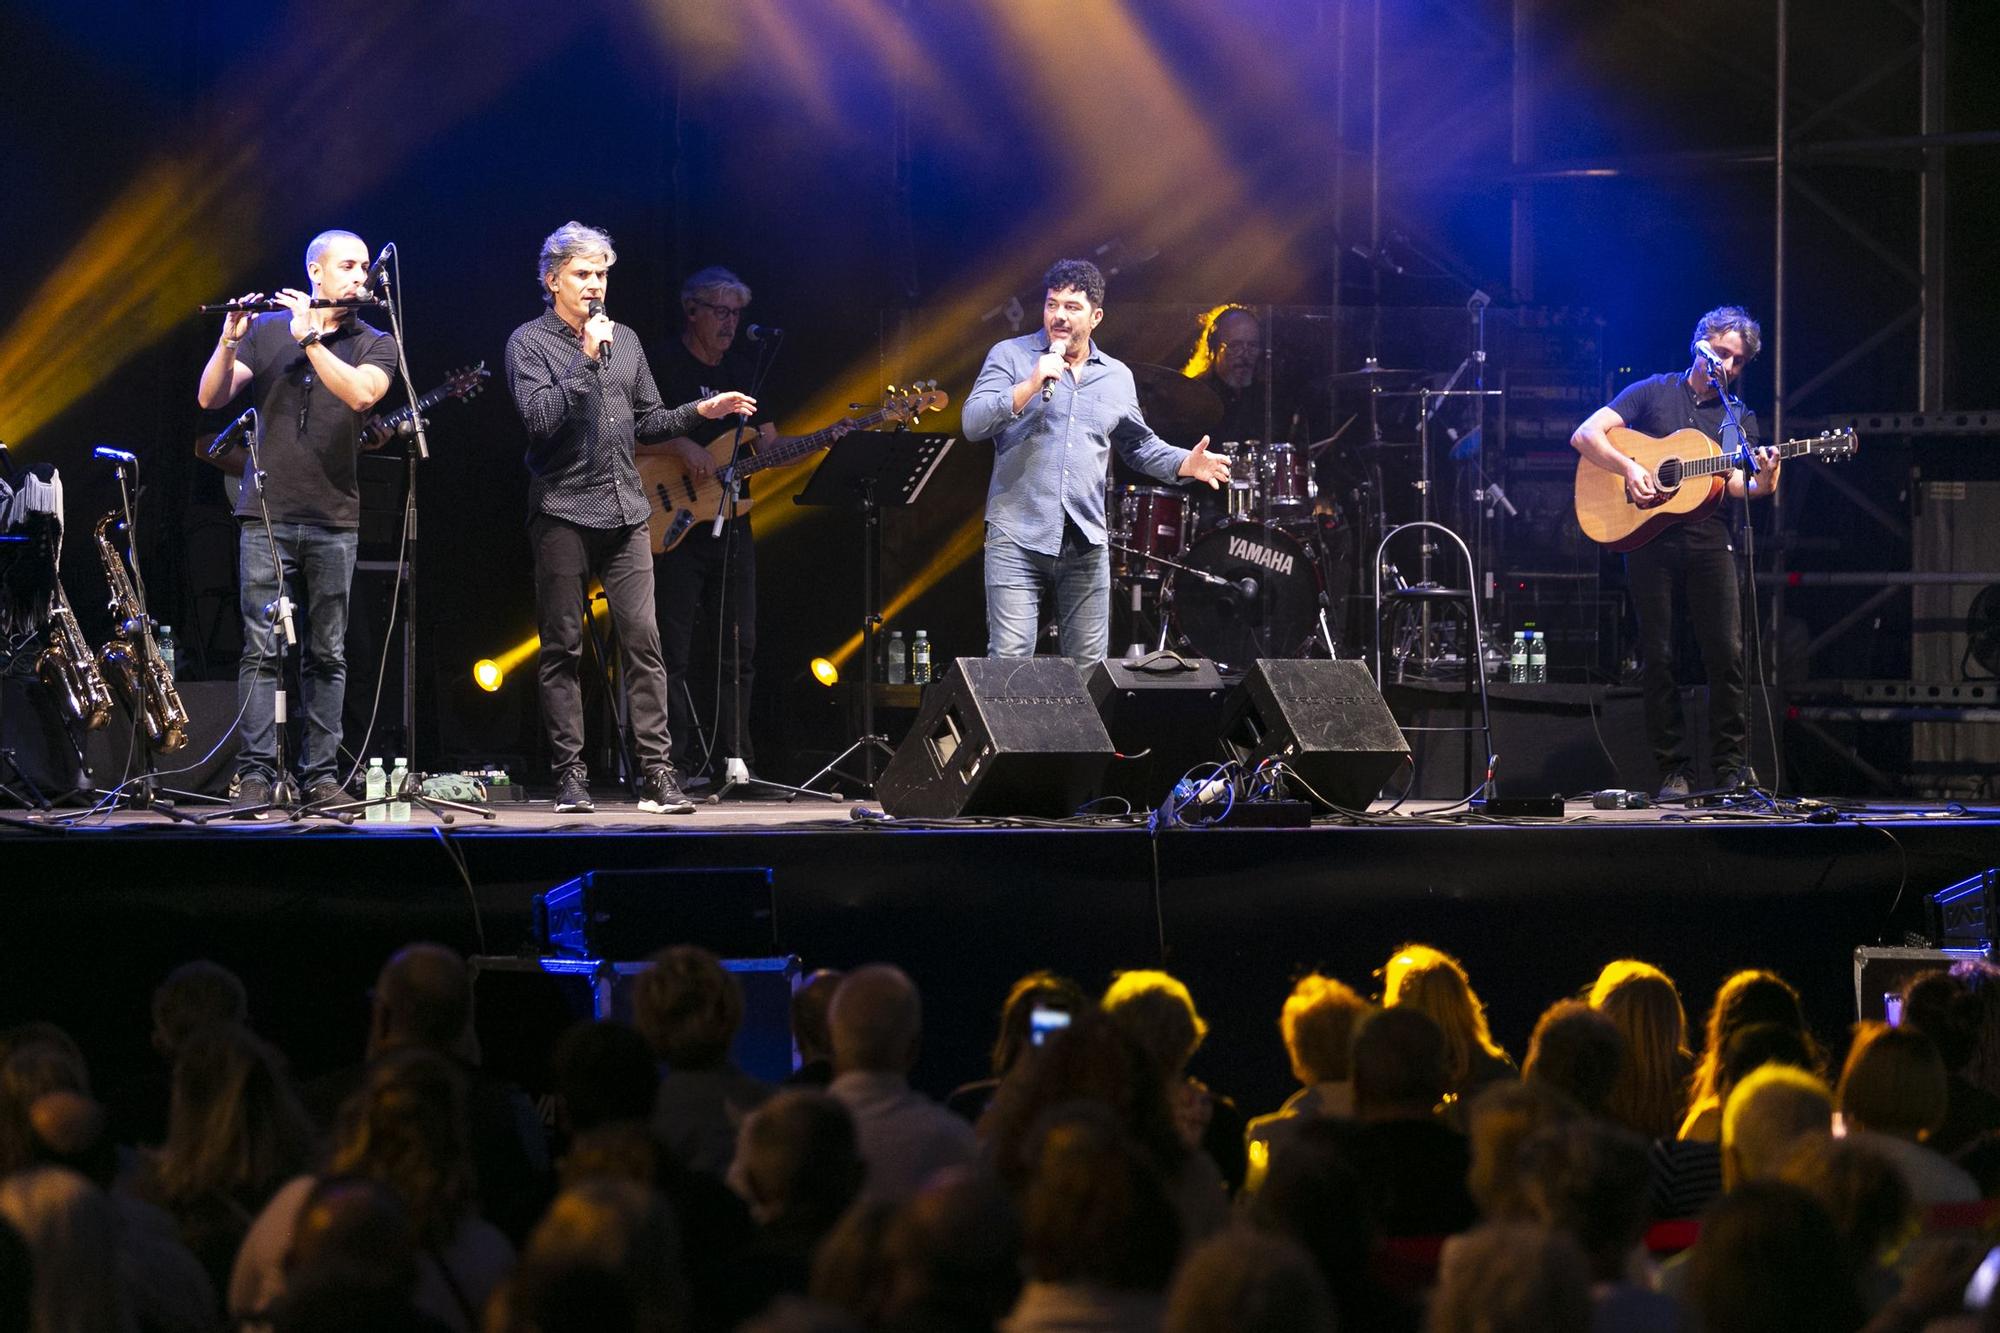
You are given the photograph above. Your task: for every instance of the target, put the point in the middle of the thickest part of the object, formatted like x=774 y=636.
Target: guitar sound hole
x=1669 y=474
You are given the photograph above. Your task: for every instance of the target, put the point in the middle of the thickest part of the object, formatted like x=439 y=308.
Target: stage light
x=825 y=672
x=487 y=673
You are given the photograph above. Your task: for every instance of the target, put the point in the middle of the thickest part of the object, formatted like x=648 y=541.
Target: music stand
x=869 y=470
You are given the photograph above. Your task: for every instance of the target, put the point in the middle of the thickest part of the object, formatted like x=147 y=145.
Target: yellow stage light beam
x=190 y=223
x=963 y=544
x=825 y=672
x=510 y=659
x=487 y=675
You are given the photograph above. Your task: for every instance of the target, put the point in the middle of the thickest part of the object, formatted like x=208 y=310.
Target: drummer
x=1228 y=360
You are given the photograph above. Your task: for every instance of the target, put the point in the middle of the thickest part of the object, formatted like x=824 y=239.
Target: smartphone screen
x=1041 y=1022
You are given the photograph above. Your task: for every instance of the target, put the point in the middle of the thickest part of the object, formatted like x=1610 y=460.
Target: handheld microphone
x=231 y=434
x=1708 y=354
x=757 y=333
x=596 y=309
x=105 y=451
x=1060 y=346
x=379 y=270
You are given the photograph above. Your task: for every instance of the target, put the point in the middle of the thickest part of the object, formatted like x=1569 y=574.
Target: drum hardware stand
x=860 y=468
x=1426 y=589
x=1424 y=594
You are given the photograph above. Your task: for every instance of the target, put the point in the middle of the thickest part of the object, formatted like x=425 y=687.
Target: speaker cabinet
x=1325 y=720
x=999 y=736
x=1163 y=723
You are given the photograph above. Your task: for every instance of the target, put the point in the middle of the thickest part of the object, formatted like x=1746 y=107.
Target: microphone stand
x=405 y=594
x=280 y=612
x=1746 y=592
x=735 y=769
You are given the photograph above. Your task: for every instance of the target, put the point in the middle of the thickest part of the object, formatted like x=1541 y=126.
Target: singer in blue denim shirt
x=1045 y=532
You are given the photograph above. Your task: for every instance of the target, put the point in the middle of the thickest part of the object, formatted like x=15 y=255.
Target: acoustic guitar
x=679 y=499
x=1692 y=471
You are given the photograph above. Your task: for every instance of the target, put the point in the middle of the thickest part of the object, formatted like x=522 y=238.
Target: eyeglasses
x=305 y=401
x=723 y=312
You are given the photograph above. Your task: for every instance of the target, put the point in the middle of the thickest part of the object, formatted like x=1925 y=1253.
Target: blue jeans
x=318 y=570
x=1017 y=579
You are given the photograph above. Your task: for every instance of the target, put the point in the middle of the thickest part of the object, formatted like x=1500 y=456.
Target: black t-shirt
x=309 y=438
x=1659 y=405
x=685 y=379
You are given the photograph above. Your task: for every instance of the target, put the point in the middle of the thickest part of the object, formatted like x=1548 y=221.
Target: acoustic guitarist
x=1691 y=561
x=709 y=576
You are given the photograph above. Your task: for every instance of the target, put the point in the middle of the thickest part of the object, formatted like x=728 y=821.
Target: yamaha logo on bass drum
x=1242 y=548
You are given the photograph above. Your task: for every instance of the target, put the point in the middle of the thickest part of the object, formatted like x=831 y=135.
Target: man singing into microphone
x=1691 y=562
x=584 y=391
x=1055 y=406
x=313 y=374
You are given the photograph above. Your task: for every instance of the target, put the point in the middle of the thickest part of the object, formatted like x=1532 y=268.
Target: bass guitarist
x=708 y=578
x=1691 y=562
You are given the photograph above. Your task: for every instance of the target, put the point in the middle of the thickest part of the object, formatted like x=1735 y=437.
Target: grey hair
x=1730 y=319
x=715 y=278
x=317 y=247
x=567 y=242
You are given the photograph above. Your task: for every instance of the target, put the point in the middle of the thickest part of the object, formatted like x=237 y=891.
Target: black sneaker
x=573 y=793
x=1674 y=788
x=661 y=794
x=253 y=795
x=326 y=791
x=1738 y=777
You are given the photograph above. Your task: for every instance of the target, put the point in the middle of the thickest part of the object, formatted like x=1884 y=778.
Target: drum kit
x=1254 y=571
x=1269 y=566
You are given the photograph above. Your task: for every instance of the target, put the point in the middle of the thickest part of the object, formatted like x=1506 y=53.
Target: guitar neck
x=800 y=445
x=1726 y=462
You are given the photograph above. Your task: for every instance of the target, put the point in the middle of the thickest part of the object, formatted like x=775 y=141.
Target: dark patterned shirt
x=583 y=417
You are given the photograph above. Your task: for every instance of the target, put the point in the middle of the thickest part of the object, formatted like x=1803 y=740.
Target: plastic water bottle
x=377 y=787
x=896 y=659
x=399 y=786
x=920 y=659
x=169 y=650
x=1538 y=658
x=1517 y=658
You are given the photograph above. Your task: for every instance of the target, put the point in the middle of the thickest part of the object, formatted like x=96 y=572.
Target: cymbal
x=1176 y=407
x=1370 y=370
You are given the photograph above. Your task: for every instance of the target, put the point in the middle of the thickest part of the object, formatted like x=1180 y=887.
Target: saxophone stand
x=865 y=470
x=145 y=792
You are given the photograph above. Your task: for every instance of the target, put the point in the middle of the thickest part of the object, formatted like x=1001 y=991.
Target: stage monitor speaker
x=1325 y=720
x=40 y=755
x=1164 y=715
x=999 y=736
x=203 y=765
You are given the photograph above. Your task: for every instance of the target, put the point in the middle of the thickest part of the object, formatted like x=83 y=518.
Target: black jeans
x=567 y=556
x=697 y=593
x=1691 y=569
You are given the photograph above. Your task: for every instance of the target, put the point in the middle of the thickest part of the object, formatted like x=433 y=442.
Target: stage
x=306 y=912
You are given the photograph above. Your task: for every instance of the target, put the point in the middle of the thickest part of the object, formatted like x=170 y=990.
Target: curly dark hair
x=1078 y=275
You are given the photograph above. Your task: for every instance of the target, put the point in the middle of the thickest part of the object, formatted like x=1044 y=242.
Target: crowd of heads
x=1418 y=1178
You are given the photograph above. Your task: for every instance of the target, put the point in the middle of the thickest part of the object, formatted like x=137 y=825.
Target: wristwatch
x=311 y=338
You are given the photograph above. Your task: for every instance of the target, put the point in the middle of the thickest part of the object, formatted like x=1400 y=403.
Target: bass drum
x=1248 y=592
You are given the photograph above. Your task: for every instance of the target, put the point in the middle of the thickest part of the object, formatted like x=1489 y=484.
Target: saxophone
x=140 y=677
x=69 y=668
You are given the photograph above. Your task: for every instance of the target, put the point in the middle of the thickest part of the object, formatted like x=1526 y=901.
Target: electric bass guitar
x=1692 y=471
x=376 y=431
x=680 y=500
